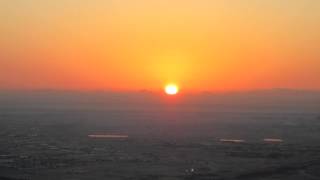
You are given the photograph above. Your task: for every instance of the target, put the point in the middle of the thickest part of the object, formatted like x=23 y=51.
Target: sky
x=124 y=45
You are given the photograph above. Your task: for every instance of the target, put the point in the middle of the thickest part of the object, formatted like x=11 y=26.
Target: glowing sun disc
x=171 y=89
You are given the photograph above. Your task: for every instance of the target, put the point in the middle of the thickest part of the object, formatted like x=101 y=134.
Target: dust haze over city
x=159 y=90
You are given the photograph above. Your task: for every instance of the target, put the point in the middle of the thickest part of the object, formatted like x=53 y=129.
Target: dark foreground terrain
x=159 y=143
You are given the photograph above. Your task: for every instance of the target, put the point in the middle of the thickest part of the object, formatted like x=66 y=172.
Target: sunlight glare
x=171 y=89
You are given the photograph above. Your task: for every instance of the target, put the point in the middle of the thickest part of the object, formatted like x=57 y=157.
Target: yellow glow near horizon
x=171 y=89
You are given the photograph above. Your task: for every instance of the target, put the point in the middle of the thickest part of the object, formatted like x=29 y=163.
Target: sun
x=171 y=89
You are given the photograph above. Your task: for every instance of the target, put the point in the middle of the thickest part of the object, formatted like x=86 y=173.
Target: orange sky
x=202 y=45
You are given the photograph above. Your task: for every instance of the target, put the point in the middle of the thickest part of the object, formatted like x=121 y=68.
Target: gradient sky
x=202 y=45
